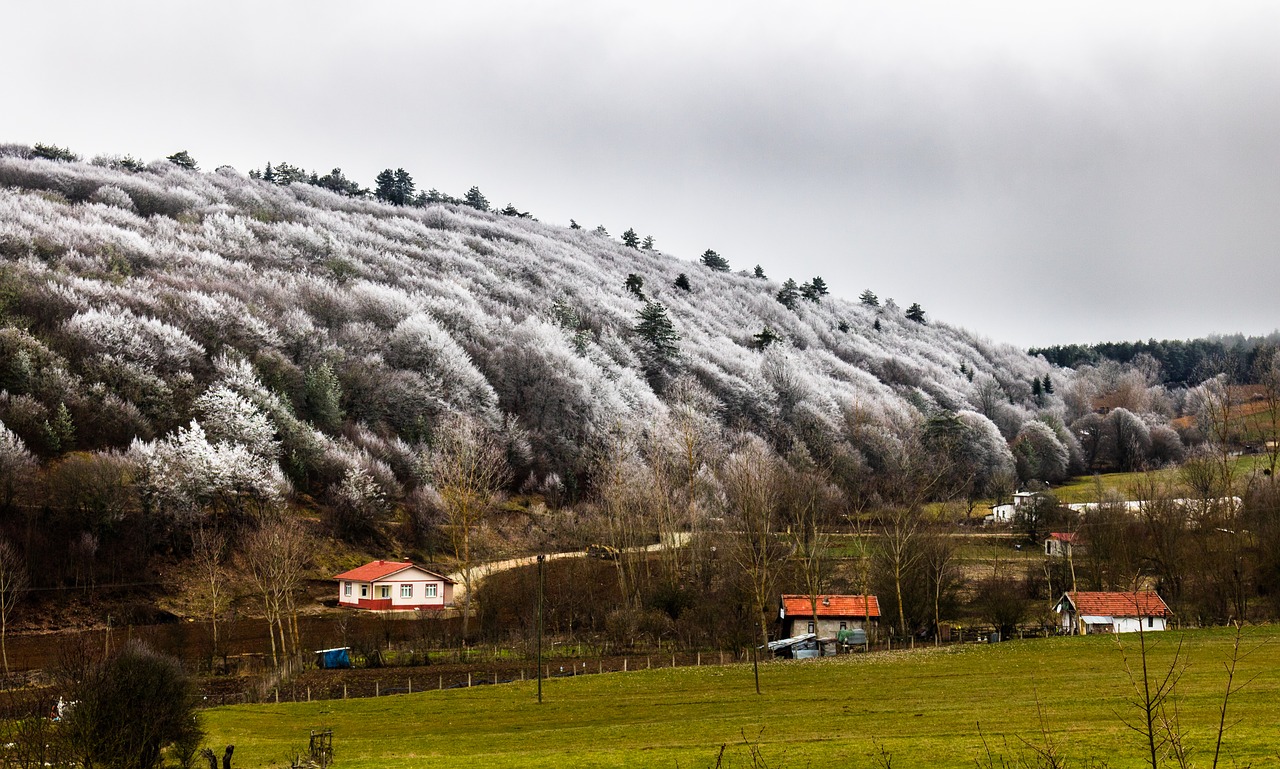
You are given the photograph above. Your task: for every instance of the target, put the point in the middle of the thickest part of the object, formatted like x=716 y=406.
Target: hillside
x=346 y=327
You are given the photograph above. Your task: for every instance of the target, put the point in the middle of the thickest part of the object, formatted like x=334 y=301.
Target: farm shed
x=1107 y=612
x=1059 y=544
x=393 y=586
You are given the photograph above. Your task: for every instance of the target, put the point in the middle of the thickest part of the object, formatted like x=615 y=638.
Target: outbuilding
x=1113 y=612
x=393 y=586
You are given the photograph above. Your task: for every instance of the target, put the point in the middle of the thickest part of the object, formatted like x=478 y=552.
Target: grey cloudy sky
x=1037 y=172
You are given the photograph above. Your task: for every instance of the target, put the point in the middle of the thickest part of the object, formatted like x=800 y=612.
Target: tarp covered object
x=335 y=658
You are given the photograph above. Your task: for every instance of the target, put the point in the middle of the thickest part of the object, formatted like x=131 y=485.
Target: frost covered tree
x=630 y=239
x=916 y=313
x=16 y=467
x=1040 y=454
x=869 y=299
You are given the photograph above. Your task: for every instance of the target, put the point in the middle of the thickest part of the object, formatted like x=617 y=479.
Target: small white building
x=1060 y=544
x=1004 y=513
x=393 y=586
x=1112 y=612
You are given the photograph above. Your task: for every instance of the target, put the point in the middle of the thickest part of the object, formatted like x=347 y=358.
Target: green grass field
x=923 y=707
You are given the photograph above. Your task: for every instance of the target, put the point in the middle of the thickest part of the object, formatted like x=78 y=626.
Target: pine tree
x=403 y=188
x=601 y=231
x=269 y=175
x=647 y=245
x=1035 y=388
x=183 y=159
x=869 y=298
x=766 y=337
x=658 y=333
x=759 y=272
x=339 y=183
x=682 y=282
x=715 y=261
x=814 y=290
x=476 y=199
x=574 y=225
x=385 y=185
x=1048 y=385
x=635 y=284
x=788 y=294
x=916 y=312
x=876 y=325
x=630 y=238
x=843 y=326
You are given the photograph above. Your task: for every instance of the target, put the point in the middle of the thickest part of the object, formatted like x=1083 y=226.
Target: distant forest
x=1183 y=362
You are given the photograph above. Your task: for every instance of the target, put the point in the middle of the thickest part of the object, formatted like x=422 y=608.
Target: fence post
x=648 y=663
x=699 y=659
x=468 y=679
x=277 y=695
x=377 y=688
x=442 y=682
x=722 y=656
x=308 y=694
x=344 y=691
x=411 y=684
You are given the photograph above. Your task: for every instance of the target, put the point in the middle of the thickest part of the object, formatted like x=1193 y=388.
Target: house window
x=406 y=591
x=346 y=589
x=384 y=591
x=431 y=591
x=364 y=591
x=844 y=625
x=810 y=627
x=1151 y=621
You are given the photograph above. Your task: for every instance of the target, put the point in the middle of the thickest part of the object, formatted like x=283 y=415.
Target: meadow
x=927 y=707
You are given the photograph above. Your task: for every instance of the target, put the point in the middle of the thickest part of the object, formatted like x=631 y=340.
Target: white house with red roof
x=835 y=613
x=1113 y=612
x=393 y=586
x=1059 y=544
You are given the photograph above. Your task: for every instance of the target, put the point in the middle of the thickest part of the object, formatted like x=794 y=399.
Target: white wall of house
x=825 y=627
x=423 y=589
x=1103 y=624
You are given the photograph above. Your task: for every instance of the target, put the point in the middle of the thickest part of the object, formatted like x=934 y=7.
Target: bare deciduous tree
x=275 y=557
x=752 y=481
x=13 y=583
x=208 y=551
x=468 y=466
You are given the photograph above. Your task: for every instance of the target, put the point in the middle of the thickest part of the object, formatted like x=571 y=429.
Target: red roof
x=374 y=570
x=1144 y=603
x=1064 y=537
x=831 y=606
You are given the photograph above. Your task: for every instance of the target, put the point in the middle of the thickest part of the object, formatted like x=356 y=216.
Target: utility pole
x=541 y=561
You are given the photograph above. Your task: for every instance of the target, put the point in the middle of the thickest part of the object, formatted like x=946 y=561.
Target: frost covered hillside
x=284 y=336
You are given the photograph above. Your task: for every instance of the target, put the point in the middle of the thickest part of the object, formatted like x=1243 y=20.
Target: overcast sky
x=1037 y=172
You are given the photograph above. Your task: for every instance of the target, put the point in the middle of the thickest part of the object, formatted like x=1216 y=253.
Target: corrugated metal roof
x=832 y=606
